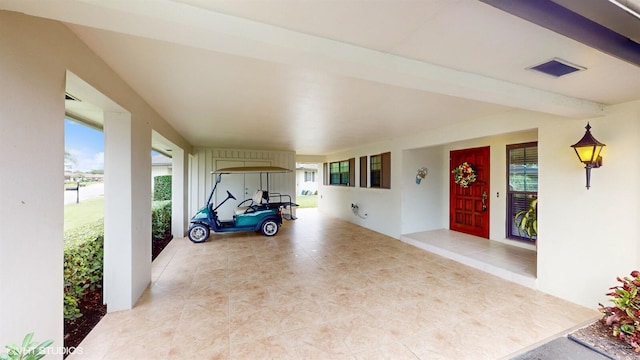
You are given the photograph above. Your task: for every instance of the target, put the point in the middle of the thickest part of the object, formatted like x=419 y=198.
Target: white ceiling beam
x=190 y=26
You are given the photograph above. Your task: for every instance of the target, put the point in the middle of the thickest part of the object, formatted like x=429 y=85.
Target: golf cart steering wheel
x=230 y=195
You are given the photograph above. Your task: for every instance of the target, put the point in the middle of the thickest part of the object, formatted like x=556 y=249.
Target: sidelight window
x=522 y=185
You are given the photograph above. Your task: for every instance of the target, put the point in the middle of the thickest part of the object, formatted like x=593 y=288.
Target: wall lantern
x=588 y=151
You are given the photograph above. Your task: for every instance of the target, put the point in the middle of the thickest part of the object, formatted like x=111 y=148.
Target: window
x=309 y=176
x=342 y=172
x=375 y=170
x=522 y=170
x=380 y=170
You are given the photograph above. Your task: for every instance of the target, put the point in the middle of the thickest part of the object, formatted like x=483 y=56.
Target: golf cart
x=263 y=212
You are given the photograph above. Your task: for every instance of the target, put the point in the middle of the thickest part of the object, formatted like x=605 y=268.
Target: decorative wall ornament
x=422 y=173
x=464 y=174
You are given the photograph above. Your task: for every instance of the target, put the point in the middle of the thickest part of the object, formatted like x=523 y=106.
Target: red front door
x=469 y=207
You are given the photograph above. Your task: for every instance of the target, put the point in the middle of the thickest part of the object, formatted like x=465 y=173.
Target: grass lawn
x=87 y=211
x=307 y=201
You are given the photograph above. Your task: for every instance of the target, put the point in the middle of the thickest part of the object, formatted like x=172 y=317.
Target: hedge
x=162 y=188
x=161 y=219
x=83 y=264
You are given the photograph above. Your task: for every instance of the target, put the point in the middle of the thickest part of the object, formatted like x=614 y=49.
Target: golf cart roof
x=251 y=170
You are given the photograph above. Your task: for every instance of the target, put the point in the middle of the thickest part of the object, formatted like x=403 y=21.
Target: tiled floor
x=323 y=288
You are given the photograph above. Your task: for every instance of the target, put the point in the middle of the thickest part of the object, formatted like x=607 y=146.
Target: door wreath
x=464 y=174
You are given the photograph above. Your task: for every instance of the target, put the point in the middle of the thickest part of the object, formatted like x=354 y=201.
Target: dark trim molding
x=563 y=21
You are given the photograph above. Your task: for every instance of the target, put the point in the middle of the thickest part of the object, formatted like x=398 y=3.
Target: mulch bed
x=93 y=309
x=157 y=245
x=599 y=338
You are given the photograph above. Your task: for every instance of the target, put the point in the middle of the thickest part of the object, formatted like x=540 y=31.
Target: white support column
x=140 y=208
x=127 y=221
x=179 y=178
x=117 y=213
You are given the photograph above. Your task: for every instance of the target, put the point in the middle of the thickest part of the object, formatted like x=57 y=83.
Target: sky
x=85 y=144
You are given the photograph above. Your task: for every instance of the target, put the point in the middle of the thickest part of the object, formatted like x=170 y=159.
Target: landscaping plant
x=162 y=188
x=27 y=351
x=526 y=221
x=624 y=316
x=83 y=265
x=160 y=226
x=161 y=219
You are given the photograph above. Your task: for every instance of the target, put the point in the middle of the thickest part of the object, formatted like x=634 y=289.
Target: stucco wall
x=36 y=55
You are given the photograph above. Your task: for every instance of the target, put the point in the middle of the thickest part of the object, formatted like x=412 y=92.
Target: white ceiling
x=319 y=76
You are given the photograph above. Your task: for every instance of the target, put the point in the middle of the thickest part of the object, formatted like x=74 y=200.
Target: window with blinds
x=376 y=170
x=522 y=182
x=380 y=170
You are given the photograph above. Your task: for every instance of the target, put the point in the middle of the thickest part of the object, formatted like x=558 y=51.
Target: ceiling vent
x=70 y=97
x=557 y=67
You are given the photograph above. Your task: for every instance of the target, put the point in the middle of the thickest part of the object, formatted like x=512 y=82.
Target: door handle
x=484 y=200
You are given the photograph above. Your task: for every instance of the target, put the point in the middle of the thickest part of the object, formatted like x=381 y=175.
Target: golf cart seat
x=260 y=197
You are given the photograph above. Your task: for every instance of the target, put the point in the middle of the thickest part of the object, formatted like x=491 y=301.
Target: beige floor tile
x=391 y=351
x=249 y=326
x=144 y=343
x=322 y=342
x=272 y=347
x=362 y=332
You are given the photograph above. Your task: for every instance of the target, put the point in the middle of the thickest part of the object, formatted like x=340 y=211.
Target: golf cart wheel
x=198 y=233
x=269 y=228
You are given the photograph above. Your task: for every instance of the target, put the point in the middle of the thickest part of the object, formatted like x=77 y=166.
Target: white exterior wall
x=586 y=237
x=302 y=185
x=382 y=206
x=423 y=204
x=36 y=55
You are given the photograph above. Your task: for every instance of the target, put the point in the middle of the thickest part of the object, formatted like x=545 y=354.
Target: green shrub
x=623 y=318
x=83 y=264
x=162 y=188
x=526 y=220
x=161 y=219
x=29 y=350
